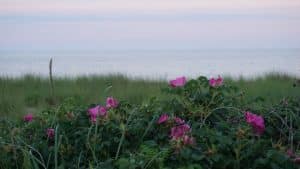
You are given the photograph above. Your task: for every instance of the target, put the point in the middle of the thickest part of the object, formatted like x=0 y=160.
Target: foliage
x=130 y=137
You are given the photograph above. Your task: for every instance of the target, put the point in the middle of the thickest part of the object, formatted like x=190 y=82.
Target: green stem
x=203 y=121
x=123 y=128
x=57 y=143
x=147 y=129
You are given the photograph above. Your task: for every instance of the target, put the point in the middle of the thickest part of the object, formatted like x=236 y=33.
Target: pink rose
x=179 y=131
x=50 y=133
x=96 y=111
x=256 y=121
x=178 y=82
x=219 y=81
x=212 y=82
x=111 y=102
x=102 y=111
x=216 y=82
x=28 y=117
x=163 y=118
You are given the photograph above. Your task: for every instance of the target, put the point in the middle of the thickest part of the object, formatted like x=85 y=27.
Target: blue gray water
x=152 y=64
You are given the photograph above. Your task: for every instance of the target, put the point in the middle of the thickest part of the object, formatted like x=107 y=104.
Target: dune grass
x=272 y=87
x=32 y=93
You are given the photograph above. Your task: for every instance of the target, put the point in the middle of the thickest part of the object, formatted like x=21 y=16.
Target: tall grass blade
x=51 y=80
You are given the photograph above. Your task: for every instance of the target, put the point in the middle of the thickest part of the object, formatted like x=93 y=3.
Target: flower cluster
x=93 y=113
x=256 y=121
x=178 y=82
x=180 y=131
x=216 y=82
x=98 y=110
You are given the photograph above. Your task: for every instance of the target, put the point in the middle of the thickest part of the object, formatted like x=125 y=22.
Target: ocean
x=151 y=64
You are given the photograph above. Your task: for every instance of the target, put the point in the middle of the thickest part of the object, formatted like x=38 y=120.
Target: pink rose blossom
x=111 y=102
x=178 y=120
x=96 y=111
x=212 y=82
x=28 y=117
x=102 y=111
x=256 y=121
x=163 y=118
x=179 y=131
x=219 y=81
x=50 y=133
x=93 y=112
x=216 y=82
x=178 y=82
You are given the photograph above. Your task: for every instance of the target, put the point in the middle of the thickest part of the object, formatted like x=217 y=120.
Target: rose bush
x=204 y=123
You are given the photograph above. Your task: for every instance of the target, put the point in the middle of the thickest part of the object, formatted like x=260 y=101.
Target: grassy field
x=31 y=93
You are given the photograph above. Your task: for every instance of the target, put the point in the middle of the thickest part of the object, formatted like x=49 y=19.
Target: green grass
x=272 y=87
x=32 y=93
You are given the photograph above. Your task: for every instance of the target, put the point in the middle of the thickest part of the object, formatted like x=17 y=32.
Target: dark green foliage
x=129 y=137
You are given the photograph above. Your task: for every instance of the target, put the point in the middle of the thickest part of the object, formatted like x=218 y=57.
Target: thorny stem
x=203 y=122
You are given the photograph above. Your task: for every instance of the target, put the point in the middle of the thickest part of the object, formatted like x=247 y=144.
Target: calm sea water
x=152 y=64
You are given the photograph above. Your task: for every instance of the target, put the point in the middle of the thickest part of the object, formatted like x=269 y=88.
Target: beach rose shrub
x=202 y=124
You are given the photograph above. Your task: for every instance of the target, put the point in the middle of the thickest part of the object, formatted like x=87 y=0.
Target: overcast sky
x=148 y=24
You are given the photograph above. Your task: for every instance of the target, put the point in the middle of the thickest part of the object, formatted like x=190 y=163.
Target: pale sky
x=148 y=24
